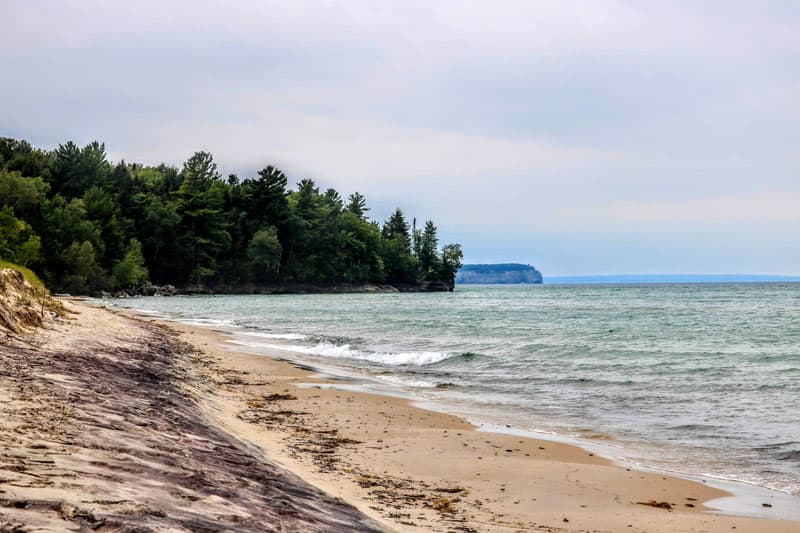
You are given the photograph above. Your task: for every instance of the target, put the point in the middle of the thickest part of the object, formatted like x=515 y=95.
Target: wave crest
x=328 y=349
x=282 y=336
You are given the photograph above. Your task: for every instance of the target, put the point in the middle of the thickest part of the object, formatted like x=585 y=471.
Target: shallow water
x=694 y=378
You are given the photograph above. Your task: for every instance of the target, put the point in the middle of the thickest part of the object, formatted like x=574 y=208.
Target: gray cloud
x=594 y=137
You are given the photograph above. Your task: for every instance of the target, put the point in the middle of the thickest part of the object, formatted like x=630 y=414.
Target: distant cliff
x=505 y=273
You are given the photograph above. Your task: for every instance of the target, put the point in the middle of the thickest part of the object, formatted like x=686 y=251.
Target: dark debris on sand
x=393 y=497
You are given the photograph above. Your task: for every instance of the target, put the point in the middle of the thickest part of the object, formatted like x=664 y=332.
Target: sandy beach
x=114 y=422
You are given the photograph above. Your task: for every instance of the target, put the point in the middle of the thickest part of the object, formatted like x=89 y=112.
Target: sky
x=581 y=137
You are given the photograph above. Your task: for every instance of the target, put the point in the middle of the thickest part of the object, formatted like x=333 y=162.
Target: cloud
x=548 y=121
x=359 y=152
x=770 y=206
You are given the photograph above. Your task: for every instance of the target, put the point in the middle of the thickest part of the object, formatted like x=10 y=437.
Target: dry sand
x=100 y=430
x=407 y=468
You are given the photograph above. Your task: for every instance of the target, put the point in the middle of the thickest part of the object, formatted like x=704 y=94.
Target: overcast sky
x=582 y=137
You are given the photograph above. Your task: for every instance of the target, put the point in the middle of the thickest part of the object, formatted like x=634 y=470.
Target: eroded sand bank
x=100 y=429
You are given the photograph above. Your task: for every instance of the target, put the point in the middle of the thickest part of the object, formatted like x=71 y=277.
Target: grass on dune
x=32 y=278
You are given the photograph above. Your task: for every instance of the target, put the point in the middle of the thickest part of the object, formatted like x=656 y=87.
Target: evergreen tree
x=334 y=201
x=397 y=228
x=357 y=204
x=416 y=239
x=77 y=169
x=428 y=250
x=204 y=235
x=265 y=198
x=88 y=225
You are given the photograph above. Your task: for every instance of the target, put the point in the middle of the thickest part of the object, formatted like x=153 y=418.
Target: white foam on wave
x=328 y=349
x=406 y=381
x=149 y=312
x=282 y=336
x=212 y=322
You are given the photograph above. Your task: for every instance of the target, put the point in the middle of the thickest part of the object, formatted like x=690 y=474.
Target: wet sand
x=170 y=419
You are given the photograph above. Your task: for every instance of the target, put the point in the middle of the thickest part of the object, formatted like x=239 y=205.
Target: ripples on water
x=700 y=378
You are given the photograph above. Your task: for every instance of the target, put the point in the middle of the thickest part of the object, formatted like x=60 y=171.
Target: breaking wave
x=282 y=336
x=328 y=349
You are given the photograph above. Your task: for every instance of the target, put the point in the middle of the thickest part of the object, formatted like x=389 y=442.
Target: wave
x=212 y=322
x=791 y=455
x=775 y=446
x=328 y=349
x=150 y=312
x=408 y=381
x=694 y=427
x=283 y=336
x=782 y=451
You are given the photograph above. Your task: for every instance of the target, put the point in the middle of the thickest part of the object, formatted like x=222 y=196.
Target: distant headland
x=500 y=274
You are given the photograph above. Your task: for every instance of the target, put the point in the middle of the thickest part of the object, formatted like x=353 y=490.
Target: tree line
x=87 y=225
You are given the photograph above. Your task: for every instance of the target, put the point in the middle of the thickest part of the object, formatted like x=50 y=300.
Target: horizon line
x=692 y=274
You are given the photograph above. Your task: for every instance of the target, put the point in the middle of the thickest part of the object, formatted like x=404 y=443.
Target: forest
x=86 y=225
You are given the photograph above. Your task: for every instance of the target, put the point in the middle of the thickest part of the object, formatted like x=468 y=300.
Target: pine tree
x=428 y=253
x=357 y=204
x=397 y=228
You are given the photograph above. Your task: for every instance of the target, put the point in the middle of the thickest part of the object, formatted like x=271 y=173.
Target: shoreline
x=149 y=289
x=744 y=499
x=570 y=450
x=146 y=423
x=666 y=411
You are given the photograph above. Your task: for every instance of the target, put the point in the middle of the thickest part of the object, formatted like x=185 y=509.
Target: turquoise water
x=697 y=379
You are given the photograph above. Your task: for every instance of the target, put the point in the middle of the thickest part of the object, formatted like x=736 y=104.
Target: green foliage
x=92 y=225
x=401 y=267
x=357 y=204
x=131 y=270
x=65 y=223
x=264 y=254
x=428 y=250
x=30 y=252
x=18 y=242
x=158 y=228
x=80 y=268
x=200 y=198
x=76 y=169
x=452 y=260
x=397 y=228
x=20 y=156
x=358 y=257
x=23 y=195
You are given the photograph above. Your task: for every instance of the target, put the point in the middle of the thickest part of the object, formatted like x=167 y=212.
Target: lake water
x=699 y=379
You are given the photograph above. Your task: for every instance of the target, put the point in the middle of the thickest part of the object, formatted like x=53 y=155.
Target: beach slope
x=100 y=430
x=117 y=422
